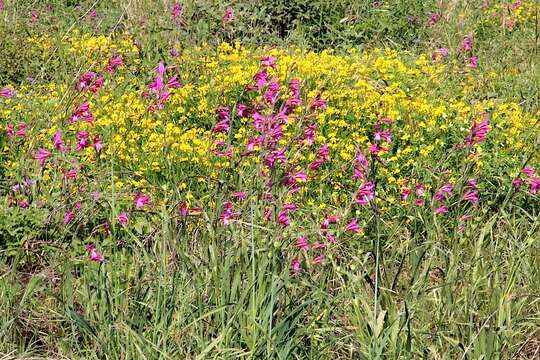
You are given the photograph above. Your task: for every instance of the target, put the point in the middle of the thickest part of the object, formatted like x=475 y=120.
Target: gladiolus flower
x=473 y=62
x=471 y=196
x=68 y=217
x=332 y=219
x=405 y=193
x=353 y=226
x=227 y=215
x=228 y=17
x=42 y=155
x=7 y=93
x=366 y=193
x=535 y=185
x=23 y=204
x=58 y=142
x=302 y=243
x=82 y=140
x=176 y=11
x=467 y=42
x=295 y=265
x=318 y=259
x=114 y=63
x=141 y=200
x=517 y=183
x=318 y=103
x=478 y=132
x=528 y=170
x=93 y=254
x=82 y=113
x=21 y=129
x=441 y=210
x=239 y=194
x=283 y=218
x=123 y=218
x=433 y=19
x=98 y=145
x=71 y=174
x=269 y=61
x=10 y=132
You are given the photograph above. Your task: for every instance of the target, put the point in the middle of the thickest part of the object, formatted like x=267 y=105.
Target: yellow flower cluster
x=429 y=116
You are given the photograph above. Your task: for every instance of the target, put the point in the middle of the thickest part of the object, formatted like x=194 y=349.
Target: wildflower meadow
x=205 y=179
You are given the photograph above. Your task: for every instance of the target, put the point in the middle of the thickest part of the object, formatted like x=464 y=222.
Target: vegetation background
x=412 y=287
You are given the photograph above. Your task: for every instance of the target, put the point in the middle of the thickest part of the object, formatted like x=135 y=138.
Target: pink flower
x=42 y=155
x=34 y=16
x=123 y=218
x=528 y=170
x=467 y=43
x=114 y=63
x=241 y=110
x=517 y=183
x=86 y=80
x=361 y=166
x=322 y=157
x=71 y=174
x=441 y=210
x=176 y=11
x=10 y=132
x=331 y=219
x=295 y=265
x=6 y=93
x=283 y=218
x=478 y=132
x=433 y=19
x=228 y=17
x=331 y=238
x=82 y=140
x=227 y=215
x=92 y=14
x=290 y=207
x=141 y=200
x=95 y=195
x=376 y=149
x=269 y=61
x=319 y=246
x=473 y=62
x=98 y=145
x=318 y=103
x=535 y=185
x=57 y=141
x=419 y=202
x=23 y=204
x=241 y=195
x=173 y=82
x=366 y=193
x=472 y=184
x=222 y=126
x=82 y=113
x=69 y=216
x=21 y=129
x=419 y=189
x=302 y=243
x=439 y=54
x=318 y=259
x=353 y=226
x=471 y=196
x=405 y=193
x=93 y=254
